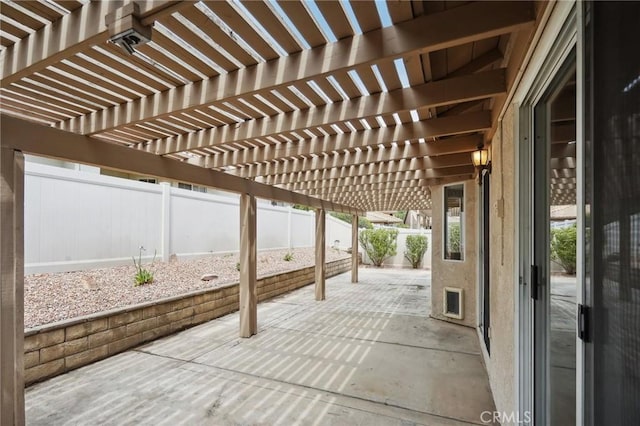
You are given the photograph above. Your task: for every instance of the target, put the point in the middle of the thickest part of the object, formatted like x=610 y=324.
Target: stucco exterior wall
x=501 y=366
x=455 y=273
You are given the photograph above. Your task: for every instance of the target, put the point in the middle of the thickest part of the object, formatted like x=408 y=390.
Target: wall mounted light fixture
x=480 y=160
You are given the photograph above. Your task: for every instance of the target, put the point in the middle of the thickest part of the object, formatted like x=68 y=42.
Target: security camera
x=128 y=40
x=126 y=29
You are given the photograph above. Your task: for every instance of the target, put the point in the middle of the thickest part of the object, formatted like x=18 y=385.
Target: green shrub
x=143 y=275
x=301 y=207
x=453 y=235
x=379 y=244
x=416 y=248
x=563 y=248
x=401 y=214
x=365 y=223
x=288 y=257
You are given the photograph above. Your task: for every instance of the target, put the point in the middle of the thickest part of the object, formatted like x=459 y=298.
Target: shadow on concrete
x=368 y=355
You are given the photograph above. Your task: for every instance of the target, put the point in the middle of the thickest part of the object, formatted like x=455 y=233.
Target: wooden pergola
x=340 y=106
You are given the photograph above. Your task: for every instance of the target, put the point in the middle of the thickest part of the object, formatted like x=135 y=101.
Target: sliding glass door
x=612 y=212
x=553 y=272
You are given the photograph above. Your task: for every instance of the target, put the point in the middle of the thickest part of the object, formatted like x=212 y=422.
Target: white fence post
x=289 y=228
x=165 y=221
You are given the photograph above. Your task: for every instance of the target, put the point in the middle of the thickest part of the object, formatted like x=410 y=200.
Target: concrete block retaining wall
x=56 y=348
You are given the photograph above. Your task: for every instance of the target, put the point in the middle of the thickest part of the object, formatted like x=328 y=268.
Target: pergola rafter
x=390 y=199
x=253 y=107
x=228 y=95
x=351 y=160
x=426 y=129
x=449 y=28
x=72 y=33
x=377 y=195
x=364 y=171
x=449 y=91
x=337 y=185
x=419 y=183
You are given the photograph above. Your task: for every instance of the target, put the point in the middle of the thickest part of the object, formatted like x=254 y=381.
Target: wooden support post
x=354 y=249
x=12 y=287
x=320 y=253
x=248 y=253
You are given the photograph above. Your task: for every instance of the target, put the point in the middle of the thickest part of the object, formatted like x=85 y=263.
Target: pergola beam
x=50 y=142
x=373 y=180
x=386 y=204
x=457 y=149
x=427 y=129
x=373 y=196
x=444 y=92
x=392 y=198
x=481 y=62
x=449 y=28
x=393 y=206
x=73 y=33
x=379 y=193
x=422 y=183
x=372 y=169
x=412 y=196
x=331 y=164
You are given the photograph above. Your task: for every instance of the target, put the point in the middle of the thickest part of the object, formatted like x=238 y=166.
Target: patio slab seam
x=298 y=385
x=361 y=339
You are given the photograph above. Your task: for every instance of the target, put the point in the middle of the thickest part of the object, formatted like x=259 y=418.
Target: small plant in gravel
x=143 y=275
x=416 y=248
x=288 y=257
x=238 y=266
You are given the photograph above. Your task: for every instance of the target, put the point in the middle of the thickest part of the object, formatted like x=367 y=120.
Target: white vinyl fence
x=76 y=220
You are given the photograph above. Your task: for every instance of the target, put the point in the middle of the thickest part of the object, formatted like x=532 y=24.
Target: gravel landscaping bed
x=54 y=297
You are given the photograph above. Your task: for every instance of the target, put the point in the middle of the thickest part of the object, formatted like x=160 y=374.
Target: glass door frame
x=542 y=240
x=563 y=45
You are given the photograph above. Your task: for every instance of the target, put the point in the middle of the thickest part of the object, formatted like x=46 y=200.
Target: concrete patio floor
x=368 y=355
